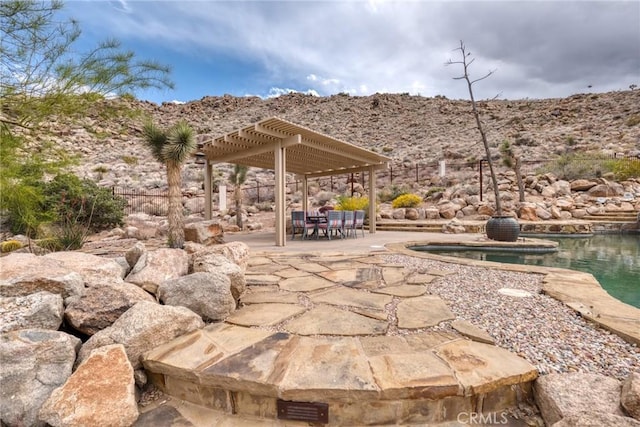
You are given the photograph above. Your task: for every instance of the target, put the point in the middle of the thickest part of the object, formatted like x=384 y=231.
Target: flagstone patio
x=349 y=331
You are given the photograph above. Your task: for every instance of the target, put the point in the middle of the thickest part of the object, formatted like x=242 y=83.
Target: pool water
x=613 y=259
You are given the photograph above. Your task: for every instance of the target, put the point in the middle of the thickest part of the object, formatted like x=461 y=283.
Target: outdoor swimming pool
x=613 y=259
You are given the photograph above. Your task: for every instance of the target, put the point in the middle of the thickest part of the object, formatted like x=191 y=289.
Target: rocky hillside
x=410 y=129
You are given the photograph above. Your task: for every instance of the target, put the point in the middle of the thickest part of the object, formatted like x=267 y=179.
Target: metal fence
x=155 y=202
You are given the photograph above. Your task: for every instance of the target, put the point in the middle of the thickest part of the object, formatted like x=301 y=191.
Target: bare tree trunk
x=174 y=213
x=516 y=168
x=237 y=195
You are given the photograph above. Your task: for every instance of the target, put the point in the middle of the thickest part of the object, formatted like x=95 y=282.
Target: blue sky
x=538 y=49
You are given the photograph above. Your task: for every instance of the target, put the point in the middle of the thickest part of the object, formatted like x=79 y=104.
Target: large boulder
x=236 y=252
x=101 y=392
x=608 y=189
x=42 y=310
x=204 y=232
x=566 y=395
x=24 y=274
x=206 y=293
x=596 y=419
x=94 y=269
x=34 y=362
x=157 y=266
x=143 y=327
x=134 y=253
x=630 y=396
x=582 y=184
x=215 y=262
x=100 y=306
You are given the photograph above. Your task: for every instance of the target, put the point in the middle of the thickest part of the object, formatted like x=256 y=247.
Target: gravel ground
x=539 y=328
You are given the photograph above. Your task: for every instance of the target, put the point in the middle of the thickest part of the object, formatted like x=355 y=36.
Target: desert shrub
x=10 y=246
x=633 y=120
x=406 y=201
x=352 y=203
x=572 y=166
x=433 y=190
x=624 y=168
x=130 y=160
x=389 y=194
x=264 y=206
x=322 y=197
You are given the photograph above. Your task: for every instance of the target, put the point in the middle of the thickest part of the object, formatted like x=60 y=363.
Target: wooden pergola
x=285 y=147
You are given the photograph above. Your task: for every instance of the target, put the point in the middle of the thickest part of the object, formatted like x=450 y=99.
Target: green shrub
x=82 y=202
x=352 y=203
x=625 y=168
x=572 y=166
x=406 y=201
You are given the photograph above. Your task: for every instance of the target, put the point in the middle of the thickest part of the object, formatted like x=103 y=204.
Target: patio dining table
x=316 y=220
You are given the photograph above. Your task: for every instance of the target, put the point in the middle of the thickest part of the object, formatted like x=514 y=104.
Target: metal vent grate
x=303 y=411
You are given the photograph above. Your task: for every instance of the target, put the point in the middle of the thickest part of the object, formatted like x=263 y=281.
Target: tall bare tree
x=466 y=62
x=172 y=147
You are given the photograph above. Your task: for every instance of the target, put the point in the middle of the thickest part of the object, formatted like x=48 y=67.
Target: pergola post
x=305 y=192
x=372 y=200
x=208 y=190
x=280 y=168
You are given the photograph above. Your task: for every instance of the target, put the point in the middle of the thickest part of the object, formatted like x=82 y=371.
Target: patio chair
x=333 y=226
x=348 y=222
x=358 y=223
x=299 y=222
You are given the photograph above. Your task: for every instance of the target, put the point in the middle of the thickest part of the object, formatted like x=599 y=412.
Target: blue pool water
x=613 y=259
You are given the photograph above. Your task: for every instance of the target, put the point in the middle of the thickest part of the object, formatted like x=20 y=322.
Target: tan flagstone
x=264 y=314
x=362 y=278
x=420 y=279
x=269 y=297
x=292 y=272
x=471 y=331
x=256 y=369
x=374 y=314
x=258 y=260
x=331 y=368
x=375 y=346
x=404 y=291
x=327 y=257
x=482 y=368
x=185 y=355
x=422 y=312
x=371 y=259
x=327 y=320
x=403 y=375
x=427 y=340
x=393 y=275
x=351 y=297
x=261 y=279
x=311 y=267
x=305 y=284
x=343 y=265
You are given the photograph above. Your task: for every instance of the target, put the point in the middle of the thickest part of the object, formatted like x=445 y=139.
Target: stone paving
x=349 y=331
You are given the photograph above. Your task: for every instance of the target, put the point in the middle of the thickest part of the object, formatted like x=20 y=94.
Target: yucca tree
x=237 y=178
x=171 y=147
